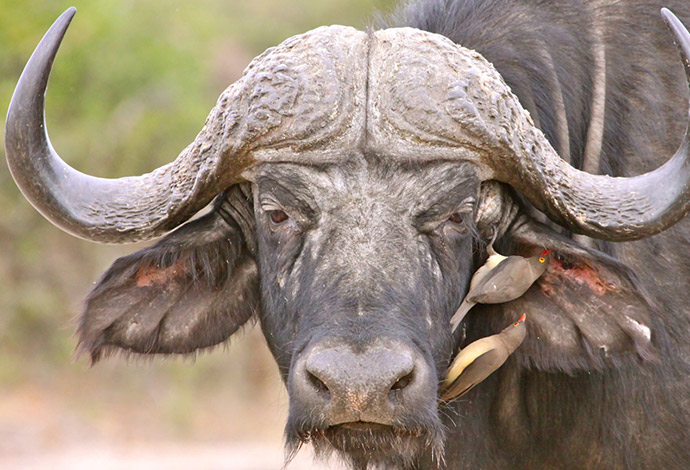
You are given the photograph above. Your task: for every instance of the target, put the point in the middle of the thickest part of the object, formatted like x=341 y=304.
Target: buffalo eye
x=458 y=222
x=456 y=218
x=277 y=216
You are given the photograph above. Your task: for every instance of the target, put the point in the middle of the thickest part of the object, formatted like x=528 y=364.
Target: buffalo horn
x=611 y=208
x=98 y=209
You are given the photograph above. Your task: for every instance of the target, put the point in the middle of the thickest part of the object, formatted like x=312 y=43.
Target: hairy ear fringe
x=191 y=290
x=106 y=351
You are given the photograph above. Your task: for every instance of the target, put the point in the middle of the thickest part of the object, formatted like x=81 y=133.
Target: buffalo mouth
x=371 y=445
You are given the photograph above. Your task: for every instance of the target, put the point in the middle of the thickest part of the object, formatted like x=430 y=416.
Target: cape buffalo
x=356 y=178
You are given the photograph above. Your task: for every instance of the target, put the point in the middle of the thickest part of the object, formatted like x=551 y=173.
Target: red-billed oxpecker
x=481 y=358
x=501 y=279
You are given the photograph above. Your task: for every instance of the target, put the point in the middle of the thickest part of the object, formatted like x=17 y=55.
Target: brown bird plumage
x=501 y=279
x=481 y=358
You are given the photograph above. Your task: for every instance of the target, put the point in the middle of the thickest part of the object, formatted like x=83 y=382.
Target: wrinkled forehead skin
x=400 y=93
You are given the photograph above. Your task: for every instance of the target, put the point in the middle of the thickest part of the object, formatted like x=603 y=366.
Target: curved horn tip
x=69 y=12
x=40 y=62
x=60 y=25
x=667 y=14
x=63 y=20
x=679 y=30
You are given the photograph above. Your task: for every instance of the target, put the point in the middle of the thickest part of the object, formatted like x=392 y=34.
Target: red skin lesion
x=581 y=275
x=545 y=288
x=148 y=276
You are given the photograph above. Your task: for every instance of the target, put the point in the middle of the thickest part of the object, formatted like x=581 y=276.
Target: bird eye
x=278 y=216
x=542 y=259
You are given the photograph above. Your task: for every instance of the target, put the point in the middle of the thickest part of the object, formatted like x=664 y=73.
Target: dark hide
x=622 y=404
x=351 y=267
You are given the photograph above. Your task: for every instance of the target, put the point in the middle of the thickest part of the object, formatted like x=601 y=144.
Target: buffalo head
x=354 y=176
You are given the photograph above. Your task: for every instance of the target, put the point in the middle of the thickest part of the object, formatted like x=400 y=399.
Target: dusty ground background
x=132 y=86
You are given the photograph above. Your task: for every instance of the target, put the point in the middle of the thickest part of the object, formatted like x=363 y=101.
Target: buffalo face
x=361 y=265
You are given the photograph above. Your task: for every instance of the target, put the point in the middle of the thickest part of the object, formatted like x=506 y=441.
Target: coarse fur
x=631 y=416
x=374 y=254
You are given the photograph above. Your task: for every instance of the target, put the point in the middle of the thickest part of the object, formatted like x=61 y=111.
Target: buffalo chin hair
x=367 y=450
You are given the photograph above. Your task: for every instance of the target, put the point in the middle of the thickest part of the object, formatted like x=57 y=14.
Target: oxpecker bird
x=500 y=279
x=480 y=358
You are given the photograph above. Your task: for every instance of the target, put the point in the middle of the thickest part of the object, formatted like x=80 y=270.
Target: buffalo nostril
x=402 y=382
x=318 y=385
x=399 y=385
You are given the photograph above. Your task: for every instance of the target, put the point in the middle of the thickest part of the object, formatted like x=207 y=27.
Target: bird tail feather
x=460 y=313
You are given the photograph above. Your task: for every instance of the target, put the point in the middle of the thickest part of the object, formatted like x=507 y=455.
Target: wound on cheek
x=581 y=275
x=148 y=276
x=545 y=287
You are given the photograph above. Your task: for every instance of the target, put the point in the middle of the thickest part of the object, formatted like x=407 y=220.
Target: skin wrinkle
x=559 y=105
x=595 y=132
x=591 y=159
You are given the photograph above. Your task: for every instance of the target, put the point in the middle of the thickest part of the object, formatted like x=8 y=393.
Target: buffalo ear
x=191 y=290
x=586 y=312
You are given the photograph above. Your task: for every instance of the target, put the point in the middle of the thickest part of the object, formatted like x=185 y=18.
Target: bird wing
x=481 y=358
x=466 y=356
x=479 y=369
x=493 y=287
x=480 y=274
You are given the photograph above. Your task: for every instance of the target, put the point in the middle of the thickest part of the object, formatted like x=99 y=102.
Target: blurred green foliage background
x=132 y=85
